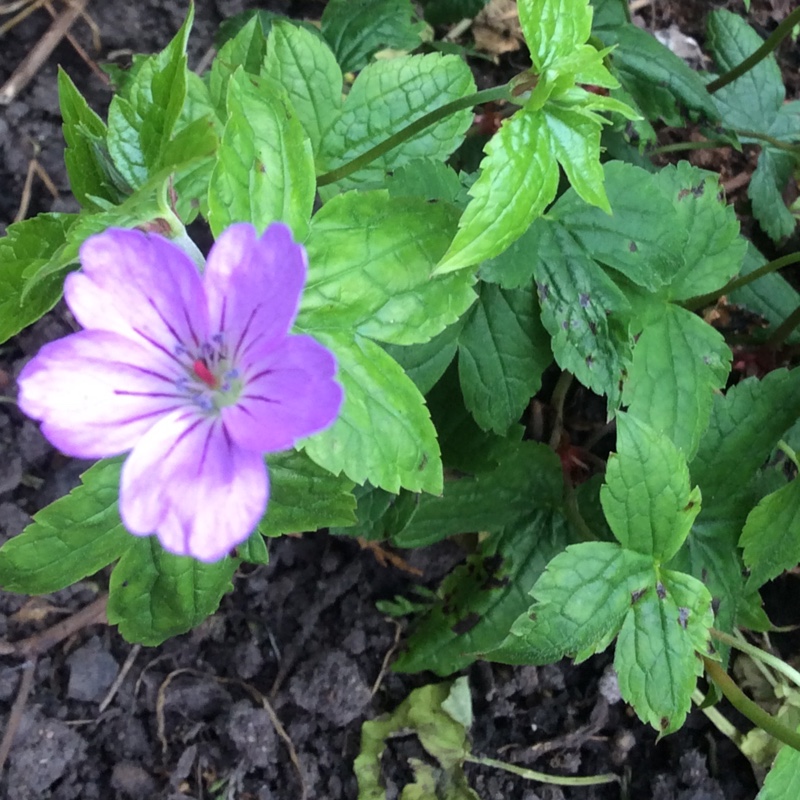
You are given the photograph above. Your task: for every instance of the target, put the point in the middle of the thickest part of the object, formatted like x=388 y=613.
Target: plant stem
x=718 y=720
x=747 y=707
x=757 y=653
x=775 y=38
x=678 y=147
x=695 y=303
x=419 y=125
x=780 y=334
x=792 y=456
x=771 y=140
x=543 y=777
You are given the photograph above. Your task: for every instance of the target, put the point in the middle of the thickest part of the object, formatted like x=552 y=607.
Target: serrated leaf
x=646 y=497
x=655 y=656
x=357 y=29
x=384 y=433
x=554 y=28
x=386 y=97
x=503 y=351
x=529 y=472
x=773 y=171
x=771 y=535
x=678 y=363
x=642 y=239
x=307 y=70
x=783 y=780
x=429 y=179
x=744 y=426
x=304 y=497
x=662 y=84
x=142 y=117
x=370 y=264
x=425 y=363
x=752 y=101
x=154 y=595
x=31 y=244
x=514 y=267
x=582 y=599
x=265 y=169
x=713 y=251
x=519 y=177
x=70 y=539
x=584 y=312
x=483 y=597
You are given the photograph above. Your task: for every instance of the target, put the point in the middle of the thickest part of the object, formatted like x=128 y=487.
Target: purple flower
x=197 y=376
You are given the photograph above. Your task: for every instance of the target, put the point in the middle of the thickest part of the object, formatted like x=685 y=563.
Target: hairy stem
x=695 y=303
x=746 y=706
x=776 y=37
x=419 y=125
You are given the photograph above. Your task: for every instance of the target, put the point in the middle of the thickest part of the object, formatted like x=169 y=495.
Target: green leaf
x=582 y=599
x=783 y=780
x=482 y=598
x=86 y=156
x=307 y=70
x=584 y=312
x=253 y=549
x=773 y=172
x=386 y=97
x=441 y=12
x=713 y=251
x=429 y=179
x=489 y=501
x=655 y=656
x=554 y=28
x=154 y=595
x=679 y=362
x=646 y=497
x=32 y=244
x=265 y=168
x=357 y=29
x=771 y=535
x=503 y=351
x=663 y=85
x=425 y=363
x=304 y=497
x=641 y=239
x=752 y=101
x=371 y=259
x=384 y=432
x=744 y=426
x=141 y=119
x=514 y=267
x=519 y=177
x=70 y=539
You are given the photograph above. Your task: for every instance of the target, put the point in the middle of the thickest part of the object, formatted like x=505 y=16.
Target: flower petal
x=143 y=287
x=254 y=284
x=187 y=481
x=289 y=393
x=96 y=393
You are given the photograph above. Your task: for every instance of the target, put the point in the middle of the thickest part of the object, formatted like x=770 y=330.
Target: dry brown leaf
x=496 y=29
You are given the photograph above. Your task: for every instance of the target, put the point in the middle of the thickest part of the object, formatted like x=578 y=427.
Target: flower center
x=210 y=380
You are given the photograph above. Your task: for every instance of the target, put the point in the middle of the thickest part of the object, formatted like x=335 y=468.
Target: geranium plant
x=379 y=323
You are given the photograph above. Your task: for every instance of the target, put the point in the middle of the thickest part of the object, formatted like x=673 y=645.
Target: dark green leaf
x=441 y=12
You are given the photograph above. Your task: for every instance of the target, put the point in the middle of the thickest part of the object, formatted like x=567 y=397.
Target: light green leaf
x=514 y=267
x=429 y=179
x=307 y=69
x=655 y=656
x=70 y=539
x=357 y=29
x=304 y=497
x=582 y=599
x=584 y=312
x=384 y=433
x=519 y=177
x=371 y=259
x=386 y=97
x=484 y=596
x=554 y=28
x=265 y=168
x=503 y=351
x=771 y=535
x=678 y=363
x=783 y=780
x=154 y=595
x=142 y=117
x=646 y=497
x=30 y=245
x=773 y=172
x=752 y=101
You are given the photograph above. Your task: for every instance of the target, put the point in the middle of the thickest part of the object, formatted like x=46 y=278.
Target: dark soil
x=303 y=631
